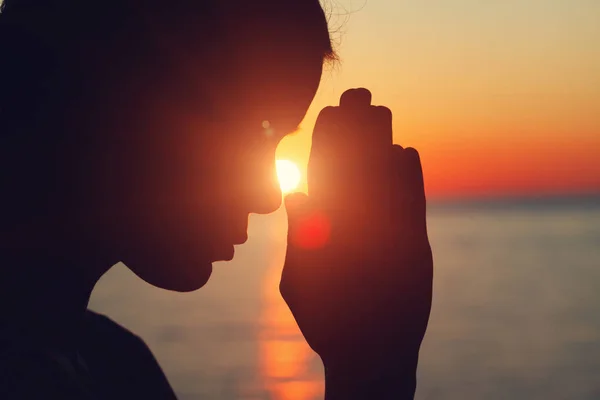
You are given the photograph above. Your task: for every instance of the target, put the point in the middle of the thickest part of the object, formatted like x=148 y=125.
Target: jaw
x=171 y=270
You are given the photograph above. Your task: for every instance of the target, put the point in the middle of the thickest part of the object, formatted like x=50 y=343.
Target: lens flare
x=311 y=232
x=288 y=175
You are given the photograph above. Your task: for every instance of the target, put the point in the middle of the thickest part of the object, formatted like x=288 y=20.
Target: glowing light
x=267 y=128
x=288 y=175
x=286 y=363
x=312 y=232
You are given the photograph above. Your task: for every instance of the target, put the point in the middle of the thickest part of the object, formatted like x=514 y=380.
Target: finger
x=415 y=190
x=365 y=147
x=416 y=172
x=333 y=166
x=382 y=123
x=400 y=171
x=350 y=156
x=358 y=119
x=378 y=153
x=400 y=190
x=323 y=161
x=409 y=217
x=296 y=205
x=353 y=98
x=372 y=135
x=420 y=241
x=325 y=132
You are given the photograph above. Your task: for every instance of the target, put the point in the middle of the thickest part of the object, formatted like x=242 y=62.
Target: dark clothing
x=109 y=363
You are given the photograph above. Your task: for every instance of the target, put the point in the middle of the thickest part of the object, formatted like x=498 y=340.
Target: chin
x=188 y=282
x=178 y=278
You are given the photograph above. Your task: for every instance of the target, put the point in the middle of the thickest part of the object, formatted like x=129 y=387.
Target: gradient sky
x=500 y=97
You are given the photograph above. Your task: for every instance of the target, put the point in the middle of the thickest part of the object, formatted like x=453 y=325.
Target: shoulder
x=121 y=360
x=28 y=372
x=105 y=332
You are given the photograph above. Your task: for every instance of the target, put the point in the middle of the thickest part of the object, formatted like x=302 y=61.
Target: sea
x=516 y=310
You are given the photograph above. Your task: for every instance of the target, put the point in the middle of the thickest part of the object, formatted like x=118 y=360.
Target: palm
x=362 y=290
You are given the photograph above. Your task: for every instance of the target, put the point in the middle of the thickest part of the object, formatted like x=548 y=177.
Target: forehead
x=282 y=94
x=274 y=86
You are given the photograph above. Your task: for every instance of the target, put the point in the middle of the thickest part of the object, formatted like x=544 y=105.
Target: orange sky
x=500 y=98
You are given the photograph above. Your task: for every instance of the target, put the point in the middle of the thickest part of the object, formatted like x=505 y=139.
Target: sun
x=288 y=175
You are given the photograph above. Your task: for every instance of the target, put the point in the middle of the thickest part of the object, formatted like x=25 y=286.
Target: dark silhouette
x=136 y=132
x=362 y=295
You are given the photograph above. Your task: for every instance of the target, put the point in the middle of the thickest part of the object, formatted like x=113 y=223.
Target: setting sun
x=288 y=175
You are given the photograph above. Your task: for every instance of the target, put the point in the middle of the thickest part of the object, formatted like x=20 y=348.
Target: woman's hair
x=46 y=44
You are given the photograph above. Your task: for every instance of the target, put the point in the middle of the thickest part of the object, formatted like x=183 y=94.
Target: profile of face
x=191 y=170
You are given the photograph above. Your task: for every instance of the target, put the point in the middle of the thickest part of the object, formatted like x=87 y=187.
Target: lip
x=232 y=229
x=223 y=253
x=240 y=238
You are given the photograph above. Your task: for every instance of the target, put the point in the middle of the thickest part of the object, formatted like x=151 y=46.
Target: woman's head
x=149 y=128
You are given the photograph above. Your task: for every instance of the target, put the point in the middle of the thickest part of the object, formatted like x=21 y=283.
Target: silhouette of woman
x=133 y=131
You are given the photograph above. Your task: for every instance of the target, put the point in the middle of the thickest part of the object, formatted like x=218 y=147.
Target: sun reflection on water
x=289 y=369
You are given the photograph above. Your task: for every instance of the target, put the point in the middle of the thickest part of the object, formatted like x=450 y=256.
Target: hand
x=358 y=269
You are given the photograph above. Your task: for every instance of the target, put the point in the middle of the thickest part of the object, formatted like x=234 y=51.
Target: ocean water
x=516 y=311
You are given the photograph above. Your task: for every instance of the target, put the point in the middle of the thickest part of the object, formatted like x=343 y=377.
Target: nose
x=265 y=193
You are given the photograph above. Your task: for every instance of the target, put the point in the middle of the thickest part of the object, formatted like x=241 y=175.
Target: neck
x=43 y=299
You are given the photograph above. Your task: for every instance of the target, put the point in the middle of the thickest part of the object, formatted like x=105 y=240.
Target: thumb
x=308 y=228
x=296 y=205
